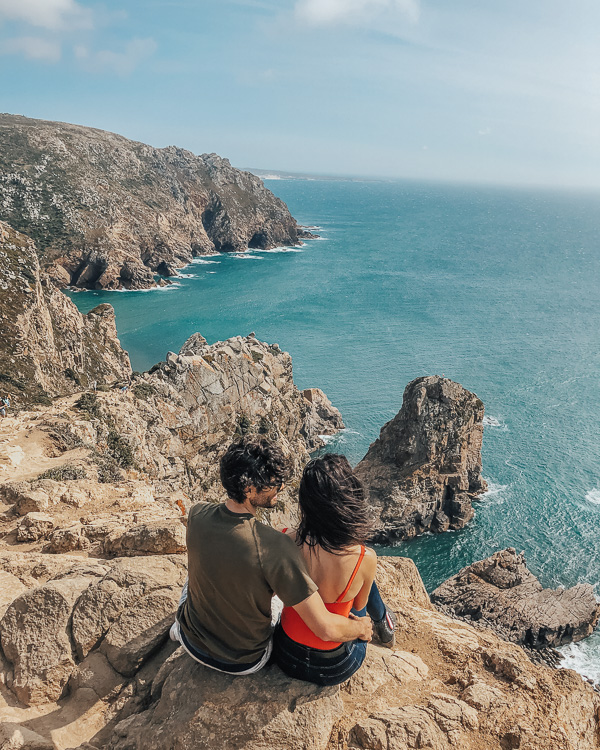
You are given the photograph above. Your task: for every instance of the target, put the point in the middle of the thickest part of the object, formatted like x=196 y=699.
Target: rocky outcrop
x=47 y=346
x=444 y=686
x=107 y=212
x=425 y=468
x=502 y=593
x=178 y=418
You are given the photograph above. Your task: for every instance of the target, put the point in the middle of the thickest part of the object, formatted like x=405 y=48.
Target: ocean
x=495 y=288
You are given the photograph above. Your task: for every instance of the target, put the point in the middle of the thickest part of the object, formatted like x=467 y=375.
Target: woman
x=334 y=523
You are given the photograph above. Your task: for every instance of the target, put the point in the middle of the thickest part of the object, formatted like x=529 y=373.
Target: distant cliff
x=109 y=213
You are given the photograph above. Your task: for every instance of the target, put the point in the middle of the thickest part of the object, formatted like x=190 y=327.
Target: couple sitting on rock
x=321 y=571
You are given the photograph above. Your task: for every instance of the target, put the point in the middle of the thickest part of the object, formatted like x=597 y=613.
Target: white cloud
x=326 y=12
x=33 y=48
x=123 y=62
x=485 y=131
x=56 y=15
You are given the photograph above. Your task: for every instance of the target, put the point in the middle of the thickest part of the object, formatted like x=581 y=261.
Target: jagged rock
x=47 y=346
x=34 y=633
x=66 y=540
x=425 y=468
x=198 y=707
x=322 y=417
x=140 y=629
x=106 y=603
x=16 y=737
x=161 y=538
x=32 y=501
x=205 y=396
x=501 y=592
x=34 y=526
x=110 y=213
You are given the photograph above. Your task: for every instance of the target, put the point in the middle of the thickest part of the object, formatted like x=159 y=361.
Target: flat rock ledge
x=502 y=593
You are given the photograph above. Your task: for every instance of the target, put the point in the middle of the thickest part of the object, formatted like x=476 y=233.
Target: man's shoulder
x=202 y=510
x=274 y=539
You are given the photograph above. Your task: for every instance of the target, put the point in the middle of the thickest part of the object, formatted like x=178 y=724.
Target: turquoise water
x=495 y=288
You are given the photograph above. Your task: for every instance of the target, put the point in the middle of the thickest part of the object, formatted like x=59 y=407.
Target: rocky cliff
x=86 y=663
x=503 y=594
x=107 y=212
x=47 y=346
x=425 y=468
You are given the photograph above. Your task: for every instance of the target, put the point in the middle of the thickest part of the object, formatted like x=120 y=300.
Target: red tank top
x=295 y=627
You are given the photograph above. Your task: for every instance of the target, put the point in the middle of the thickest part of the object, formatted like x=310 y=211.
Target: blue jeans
x=313 y=665
x=326 y=667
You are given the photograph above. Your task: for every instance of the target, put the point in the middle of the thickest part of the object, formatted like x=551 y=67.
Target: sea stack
x=424 y=470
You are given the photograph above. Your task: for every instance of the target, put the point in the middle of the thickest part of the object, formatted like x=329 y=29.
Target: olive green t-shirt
x=235 y=565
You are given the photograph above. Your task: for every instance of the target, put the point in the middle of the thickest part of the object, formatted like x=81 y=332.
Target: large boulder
x=424 y=470
x=35 y=637
x=128 y=611
x=501 y=592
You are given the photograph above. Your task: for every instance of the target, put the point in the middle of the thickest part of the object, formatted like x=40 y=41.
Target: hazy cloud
x=326 y=12
x=121 y=62
x=33 y=48
x=56 y=15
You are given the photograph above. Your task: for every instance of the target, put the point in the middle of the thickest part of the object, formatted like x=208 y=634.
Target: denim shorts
x=313 y=665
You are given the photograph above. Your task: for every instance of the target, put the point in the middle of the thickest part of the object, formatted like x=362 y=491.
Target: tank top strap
x=353 y=576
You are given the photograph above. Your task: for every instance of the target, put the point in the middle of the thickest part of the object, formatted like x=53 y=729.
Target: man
x=236 y=564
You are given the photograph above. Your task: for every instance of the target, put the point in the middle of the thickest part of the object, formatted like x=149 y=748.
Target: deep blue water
x=495 y=288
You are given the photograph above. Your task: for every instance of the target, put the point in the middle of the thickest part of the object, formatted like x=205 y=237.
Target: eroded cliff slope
x=47 y=347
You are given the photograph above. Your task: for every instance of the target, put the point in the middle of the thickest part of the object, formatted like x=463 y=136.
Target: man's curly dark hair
x=252 y=461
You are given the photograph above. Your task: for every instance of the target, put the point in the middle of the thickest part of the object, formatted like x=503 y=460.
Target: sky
x=503 y=92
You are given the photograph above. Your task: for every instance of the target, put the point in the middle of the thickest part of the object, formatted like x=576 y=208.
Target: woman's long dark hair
x=333 y=508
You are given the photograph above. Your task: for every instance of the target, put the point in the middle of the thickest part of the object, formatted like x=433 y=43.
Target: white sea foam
x=297 y=249
x=494 y=423
x=593 y=496
x=211 y=272
x=494 y=493
x=203 y=262
x=172 y=285
x=187 y=276
x=583 y=657
x=327 y=438
x=246 y=256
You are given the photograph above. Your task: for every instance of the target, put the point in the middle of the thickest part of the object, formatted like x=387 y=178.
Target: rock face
x=181 y=416
x=425 y=468
x=107 y=212
x=501 y=592
x=47 y=346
